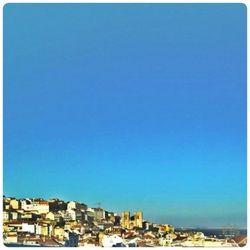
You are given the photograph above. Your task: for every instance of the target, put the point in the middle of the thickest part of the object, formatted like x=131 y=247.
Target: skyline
x=141 y=106
x=119 y=213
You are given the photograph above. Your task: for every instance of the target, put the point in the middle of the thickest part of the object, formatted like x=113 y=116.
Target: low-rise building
x=35 y=205
x=99 y=214
x=76 y=205
x=14 y=204
x=58 y=232
x=6 y=216
x=50 y=216
x=111 y=240
x=43 y=229
x=11 y=237
x=165 y=228
x=28 y=227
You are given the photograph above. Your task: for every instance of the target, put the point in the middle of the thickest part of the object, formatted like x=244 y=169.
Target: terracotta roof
x=15 y=222
x=42 y=202
x=240 y=240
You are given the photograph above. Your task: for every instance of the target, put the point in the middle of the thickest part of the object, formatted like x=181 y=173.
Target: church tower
x=138 y=219
x=125 y=219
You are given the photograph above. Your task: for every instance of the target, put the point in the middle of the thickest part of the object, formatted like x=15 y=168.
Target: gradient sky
x=136 y=106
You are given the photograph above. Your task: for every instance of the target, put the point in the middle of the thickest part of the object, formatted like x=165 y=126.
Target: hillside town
x=56 y=223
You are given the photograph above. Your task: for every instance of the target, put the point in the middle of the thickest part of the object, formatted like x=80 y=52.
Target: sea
x=220 y=233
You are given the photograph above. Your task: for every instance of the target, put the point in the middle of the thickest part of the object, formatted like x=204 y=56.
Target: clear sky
x=136 y=106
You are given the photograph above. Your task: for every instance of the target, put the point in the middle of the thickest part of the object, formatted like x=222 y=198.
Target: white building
x=110 y=240
x=71 y=205
x=11 y=237
x=29 y=228
x=13 y=215
x=39 y=206
x=76 y=205
x=50 y=216
x=5 y=216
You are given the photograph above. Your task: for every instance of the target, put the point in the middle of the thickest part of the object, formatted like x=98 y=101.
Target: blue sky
x=136 y=106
